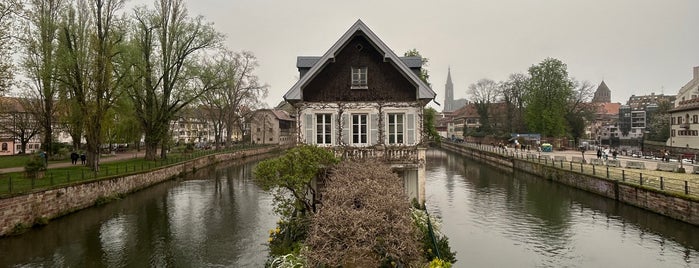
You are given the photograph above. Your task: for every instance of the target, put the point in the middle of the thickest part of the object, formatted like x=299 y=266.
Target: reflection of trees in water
x=542 y=213
x=218 y=203
x=533 y=213
x=629 y=217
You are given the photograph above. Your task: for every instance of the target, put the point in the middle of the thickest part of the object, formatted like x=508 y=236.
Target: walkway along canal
x=681 y=206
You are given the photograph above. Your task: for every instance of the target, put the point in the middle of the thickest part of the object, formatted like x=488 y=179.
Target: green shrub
x=34 y=166
x=420 y=217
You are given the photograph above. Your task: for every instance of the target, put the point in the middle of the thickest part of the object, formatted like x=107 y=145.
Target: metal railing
x=659 y=180
x=20 y=182
x=401 y=154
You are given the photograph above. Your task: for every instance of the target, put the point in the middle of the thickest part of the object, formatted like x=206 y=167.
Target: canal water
x=499 y=219
x=219 y=218
x=214 y=218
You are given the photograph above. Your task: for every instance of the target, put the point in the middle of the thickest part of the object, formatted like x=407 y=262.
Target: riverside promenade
x=645 y=174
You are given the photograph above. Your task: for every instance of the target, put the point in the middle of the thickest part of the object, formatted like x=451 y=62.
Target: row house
x=684 y=129
x=363 y=101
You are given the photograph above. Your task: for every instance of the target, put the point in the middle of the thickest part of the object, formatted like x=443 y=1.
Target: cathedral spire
x=449 y=93
x=449 y=77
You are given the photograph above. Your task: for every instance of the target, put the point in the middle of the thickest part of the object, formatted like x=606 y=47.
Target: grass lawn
x=16 y=160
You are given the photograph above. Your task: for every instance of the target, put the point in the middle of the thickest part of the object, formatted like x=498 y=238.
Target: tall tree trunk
x=93 y=142
x=151 y=143
x=163 y=149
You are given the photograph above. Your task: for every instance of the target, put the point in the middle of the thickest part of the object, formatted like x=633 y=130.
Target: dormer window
x=359 y=78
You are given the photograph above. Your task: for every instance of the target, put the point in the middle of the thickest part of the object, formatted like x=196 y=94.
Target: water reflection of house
x=271 y=126
x=363 y=101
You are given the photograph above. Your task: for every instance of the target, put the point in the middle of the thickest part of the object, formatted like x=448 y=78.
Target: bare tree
x=579 y=111
x=166 y=40
x=513 y=92
x=483 y=93
x=243 y=92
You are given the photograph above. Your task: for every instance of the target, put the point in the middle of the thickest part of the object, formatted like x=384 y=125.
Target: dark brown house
x=362 y=100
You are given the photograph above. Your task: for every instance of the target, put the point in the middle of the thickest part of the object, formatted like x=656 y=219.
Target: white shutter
x=333 y=131
x=308 y=126
x=373 y=129
x=410 y=129
x=346 y=125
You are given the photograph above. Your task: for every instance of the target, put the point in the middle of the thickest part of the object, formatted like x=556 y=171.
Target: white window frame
x=360 y=128
x=323 y=128
x=359 y=78
x=396 y=135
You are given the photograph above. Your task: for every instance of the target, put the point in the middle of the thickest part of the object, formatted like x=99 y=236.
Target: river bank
x=39 y=207
x=615 y=184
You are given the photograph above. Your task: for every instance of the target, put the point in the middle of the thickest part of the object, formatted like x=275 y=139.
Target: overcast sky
x=636 y=46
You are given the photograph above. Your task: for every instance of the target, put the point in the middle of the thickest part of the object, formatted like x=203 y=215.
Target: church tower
x=449 y=94
x=603 y=94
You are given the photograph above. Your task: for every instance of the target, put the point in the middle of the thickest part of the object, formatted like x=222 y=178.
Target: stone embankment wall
x=40 y=206
x=678 y=207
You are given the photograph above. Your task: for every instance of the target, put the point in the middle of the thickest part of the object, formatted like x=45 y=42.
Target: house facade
x=17 y=124
x=363 y=101
x=271 y=126
x=684 y=128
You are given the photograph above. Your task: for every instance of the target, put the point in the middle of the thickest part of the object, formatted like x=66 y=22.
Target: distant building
x=605 y=124
x=450 y=104
x=17 y=124
x=606 y=119
x=271 y=126
x=603 y=94
x=684 y=128
x=634 y=117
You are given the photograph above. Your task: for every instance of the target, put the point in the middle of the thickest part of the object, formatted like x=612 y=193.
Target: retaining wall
x=678 y=207
x=40 y=206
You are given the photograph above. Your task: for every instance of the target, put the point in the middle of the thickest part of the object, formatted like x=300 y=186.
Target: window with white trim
x=359 y=78
x=359 y=129
x=395 y=128
x=323 y=128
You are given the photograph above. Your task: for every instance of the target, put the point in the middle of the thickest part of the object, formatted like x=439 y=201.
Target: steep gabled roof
x=295 y=94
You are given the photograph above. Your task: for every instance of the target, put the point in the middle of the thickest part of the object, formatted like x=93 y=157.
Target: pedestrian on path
x=74 y=158
x=83 y=158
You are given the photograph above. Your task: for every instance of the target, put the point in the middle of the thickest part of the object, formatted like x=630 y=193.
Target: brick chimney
x=696 y=72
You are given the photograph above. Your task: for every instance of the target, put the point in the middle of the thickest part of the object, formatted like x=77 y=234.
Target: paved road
x=105 y=158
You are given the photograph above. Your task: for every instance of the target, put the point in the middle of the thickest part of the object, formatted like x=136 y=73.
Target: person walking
x=74 y=158
x=83 y=158
x=599 y=153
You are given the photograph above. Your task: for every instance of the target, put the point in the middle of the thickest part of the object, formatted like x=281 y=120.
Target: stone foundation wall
x=677 y=207
x=40 y=206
